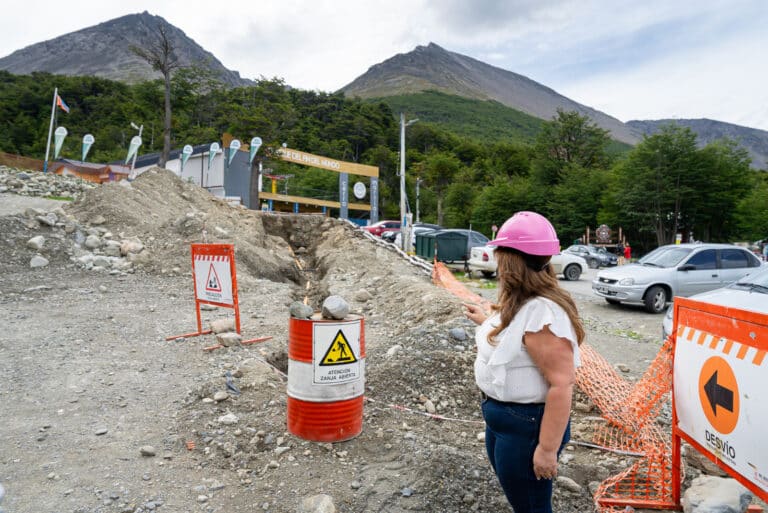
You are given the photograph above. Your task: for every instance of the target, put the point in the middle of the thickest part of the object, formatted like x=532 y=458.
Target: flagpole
x=50 y=129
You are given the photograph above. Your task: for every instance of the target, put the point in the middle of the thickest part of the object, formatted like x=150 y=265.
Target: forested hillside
x=477 y=162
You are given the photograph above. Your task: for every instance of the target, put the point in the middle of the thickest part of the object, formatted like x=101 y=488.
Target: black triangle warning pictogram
x=340 y=352
x=213 y=283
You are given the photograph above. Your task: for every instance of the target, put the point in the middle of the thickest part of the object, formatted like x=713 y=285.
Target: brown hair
x=522 y=277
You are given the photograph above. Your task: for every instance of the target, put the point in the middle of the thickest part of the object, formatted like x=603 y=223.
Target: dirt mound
x=167 y=214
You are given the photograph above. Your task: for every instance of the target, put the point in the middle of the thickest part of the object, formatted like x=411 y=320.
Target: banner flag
x=87 y=142
x=60 y=103
x=212 y=153
x=234 y=146
x=133 y=147
x=185 y=153
x=59 y=136
x=255 y=145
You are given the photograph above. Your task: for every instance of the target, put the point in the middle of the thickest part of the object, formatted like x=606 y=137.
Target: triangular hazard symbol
x=340 y=352
x=213 y=283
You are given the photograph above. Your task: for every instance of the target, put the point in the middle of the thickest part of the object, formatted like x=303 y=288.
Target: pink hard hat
x=530 y=233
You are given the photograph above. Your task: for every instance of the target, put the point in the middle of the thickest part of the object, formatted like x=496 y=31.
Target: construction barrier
x=630 y=412
x=326 y=378
x=719 y=382
x=215 y=282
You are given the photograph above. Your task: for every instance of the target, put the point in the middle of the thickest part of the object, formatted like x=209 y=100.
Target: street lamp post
x=405 y=238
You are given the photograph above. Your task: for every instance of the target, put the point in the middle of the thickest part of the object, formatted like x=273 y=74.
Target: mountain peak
x=432 y=67
x=103 y=50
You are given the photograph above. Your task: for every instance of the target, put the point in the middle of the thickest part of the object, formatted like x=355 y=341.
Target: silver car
x=674 y=270
x=748 y=293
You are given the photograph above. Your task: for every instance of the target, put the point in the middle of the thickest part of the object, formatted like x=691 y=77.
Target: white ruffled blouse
x=506 y=371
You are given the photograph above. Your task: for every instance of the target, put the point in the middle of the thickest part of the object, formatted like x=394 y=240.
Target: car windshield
x=664 y=257
x=756 y=281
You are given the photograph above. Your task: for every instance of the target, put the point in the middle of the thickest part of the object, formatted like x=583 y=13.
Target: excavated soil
x=90 y=379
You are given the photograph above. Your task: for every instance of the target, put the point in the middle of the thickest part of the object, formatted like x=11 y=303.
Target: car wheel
x=655 y=299
x=593 y=263
x=572 y=272
x=613 y=301
x=487 y=274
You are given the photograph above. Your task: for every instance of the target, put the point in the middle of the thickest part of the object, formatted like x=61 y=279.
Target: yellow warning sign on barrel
x=336 y=347
x=339 y=352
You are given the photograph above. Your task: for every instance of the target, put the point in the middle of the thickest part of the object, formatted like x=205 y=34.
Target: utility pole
x=418 y=182
x=405 y=228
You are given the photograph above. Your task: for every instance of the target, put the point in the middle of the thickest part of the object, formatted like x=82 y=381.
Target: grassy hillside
x=479 y=119
x=485 y=120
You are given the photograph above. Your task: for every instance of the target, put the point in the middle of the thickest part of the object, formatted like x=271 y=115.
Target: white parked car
x=748 y=293
x=570 y=266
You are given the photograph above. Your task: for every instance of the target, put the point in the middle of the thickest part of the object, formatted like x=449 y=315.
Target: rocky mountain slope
x=434 y=68
x=103 y=50
x=708 y=130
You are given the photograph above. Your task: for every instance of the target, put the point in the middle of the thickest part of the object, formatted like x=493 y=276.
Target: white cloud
x=723 y=82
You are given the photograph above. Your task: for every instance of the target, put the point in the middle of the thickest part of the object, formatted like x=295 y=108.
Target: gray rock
x=363 y=295
x=222 y=325
x=131 y=246
x=429 y=406
x=112 y=249
x=335 y=307
x=220 y=396
x=229 y=419
x=102 y=261
x=317 y=504
x=392 y=351
x=623 y=367
x=228 y=339
x=568 y=484
x=458 y=334
x=36 y=243
x=147 y=450
x=710 y=494
x=48 y=219
x=93 y=242
x=38 y=261
x=98 y=219
x=100 y=431
x=300 y=311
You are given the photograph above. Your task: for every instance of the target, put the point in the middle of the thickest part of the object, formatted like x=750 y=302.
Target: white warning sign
x=336 y=353
x=213 y=280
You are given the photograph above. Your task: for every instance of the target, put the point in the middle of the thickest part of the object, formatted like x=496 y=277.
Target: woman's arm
x=554 y=358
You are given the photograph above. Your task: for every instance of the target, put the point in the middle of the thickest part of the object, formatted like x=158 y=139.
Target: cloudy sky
x=633 y=60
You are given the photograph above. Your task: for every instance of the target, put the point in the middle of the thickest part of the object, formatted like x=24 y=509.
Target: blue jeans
x=511 y=437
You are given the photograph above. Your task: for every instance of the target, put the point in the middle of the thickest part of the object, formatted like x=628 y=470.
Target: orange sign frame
x=222 y=254
x=730 y=346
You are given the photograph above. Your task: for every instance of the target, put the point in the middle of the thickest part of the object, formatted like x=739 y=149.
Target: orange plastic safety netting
x=630 y=412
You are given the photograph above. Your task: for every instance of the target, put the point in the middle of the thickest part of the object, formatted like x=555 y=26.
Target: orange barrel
x=326 y=378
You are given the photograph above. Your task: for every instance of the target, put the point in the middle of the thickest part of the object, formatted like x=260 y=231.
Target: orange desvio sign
x=719 y=379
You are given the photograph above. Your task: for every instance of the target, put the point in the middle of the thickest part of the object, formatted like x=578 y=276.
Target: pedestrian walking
x=620 y=253
x=627 y=253
x=527 y=354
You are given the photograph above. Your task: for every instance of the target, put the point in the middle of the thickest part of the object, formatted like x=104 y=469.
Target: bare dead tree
x=160 y=54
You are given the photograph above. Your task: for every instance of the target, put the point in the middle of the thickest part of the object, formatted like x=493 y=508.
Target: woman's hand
x=544 y=463
x=474 y=313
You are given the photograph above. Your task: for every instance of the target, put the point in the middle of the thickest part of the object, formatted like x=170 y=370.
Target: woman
x=527 y=354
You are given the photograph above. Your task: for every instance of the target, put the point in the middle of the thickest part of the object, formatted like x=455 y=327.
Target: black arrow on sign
x=718 y=395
